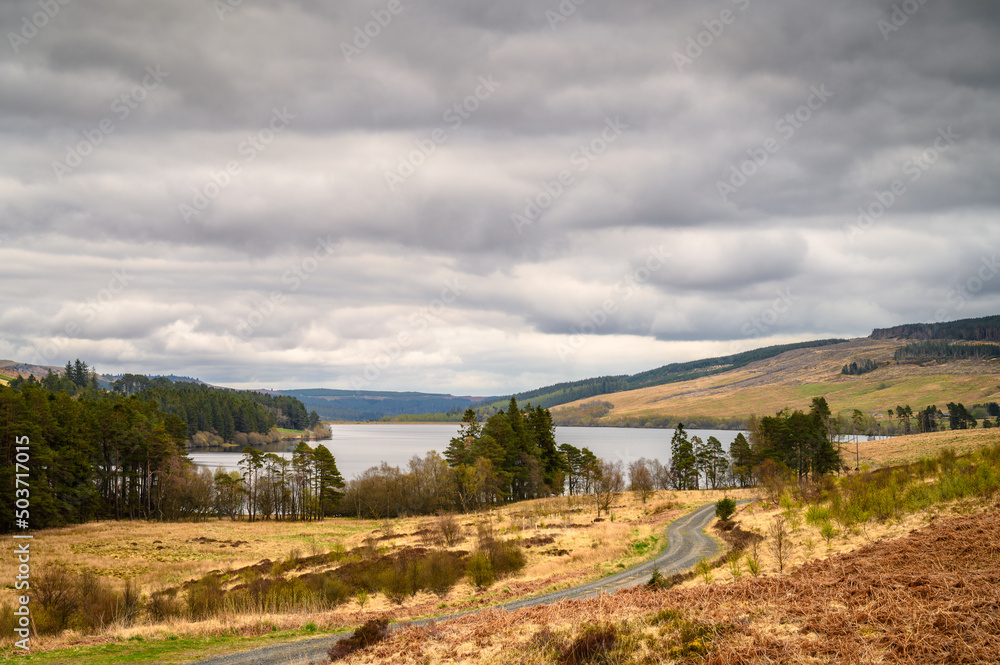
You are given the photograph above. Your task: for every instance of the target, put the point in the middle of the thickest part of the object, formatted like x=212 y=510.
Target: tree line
x=985 y=328
x=477 y=472
x=903 y=420
x=942 y=350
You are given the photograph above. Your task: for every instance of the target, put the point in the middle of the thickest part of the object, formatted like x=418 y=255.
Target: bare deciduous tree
x=641 y=481
x=608 y=483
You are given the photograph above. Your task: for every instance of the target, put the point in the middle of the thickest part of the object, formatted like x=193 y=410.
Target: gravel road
x=687 y=544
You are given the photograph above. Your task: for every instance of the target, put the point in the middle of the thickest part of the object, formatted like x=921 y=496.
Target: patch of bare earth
x=932 y=596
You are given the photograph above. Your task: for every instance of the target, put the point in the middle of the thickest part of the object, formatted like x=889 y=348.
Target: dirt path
x=687 y=544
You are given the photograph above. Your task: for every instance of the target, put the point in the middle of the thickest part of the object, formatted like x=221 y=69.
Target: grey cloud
x=794 y=224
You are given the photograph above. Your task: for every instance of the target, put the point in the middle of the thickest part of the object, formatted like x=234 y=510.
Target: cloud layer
x=479 y=198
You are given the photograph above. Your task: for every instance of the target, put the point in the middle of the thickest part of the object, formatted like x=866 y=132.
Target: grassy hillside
x=563 y=393
x=793 y=378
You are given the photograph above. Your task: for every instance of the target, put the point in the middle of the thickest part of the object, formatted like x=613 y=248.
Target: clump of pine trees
x=514 y=451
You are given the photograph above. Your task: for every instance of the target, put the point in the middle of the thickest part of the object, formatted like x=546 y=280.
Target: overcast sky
x=484 y=197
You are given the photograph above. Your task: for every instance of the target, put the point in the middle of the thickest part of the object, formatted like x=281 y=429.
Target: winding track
x=687 y=544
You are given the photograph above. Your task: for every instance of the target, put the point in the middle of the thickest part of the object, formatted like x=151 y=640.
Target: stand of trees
x=691 y=460
x=269 y=486
x=516 y=447
x=223 y=412
x=93 y=456
x=799 y=441
x=854 y=369
x=76 y=377
x=932 y=419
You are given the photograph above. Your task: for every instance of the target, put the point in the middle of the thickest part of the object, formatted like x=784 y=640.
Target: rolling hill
x=791 y=379
x=563 y=393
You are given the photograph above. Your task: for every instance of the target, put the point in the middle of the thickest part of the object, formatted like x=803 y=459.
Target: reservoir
x=357 y=447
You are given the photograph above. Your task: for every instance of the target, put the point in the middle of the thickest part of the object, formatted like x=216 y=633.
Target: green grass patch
x=643 y=546
x=893 y=492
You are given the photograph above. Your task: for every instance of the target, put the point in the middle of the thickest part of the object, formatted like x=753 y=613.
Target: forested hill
x=563 y=393
x=984 y=329
x=358 y=405
x=220 y=414
x=220 y=411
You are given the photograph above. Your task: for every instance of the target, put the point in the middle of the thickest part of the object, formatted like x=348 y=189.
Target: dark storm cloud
x=485 y=181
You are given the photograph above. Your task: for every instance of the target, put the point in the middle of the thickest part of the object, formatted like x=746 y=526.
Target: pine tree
x=742 y=457
x=683 y=463
x=329 y=481
x=459 y=450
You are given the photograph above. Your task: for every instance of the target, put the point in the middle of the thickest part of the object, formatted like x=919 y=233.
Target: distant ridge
x=360 y=405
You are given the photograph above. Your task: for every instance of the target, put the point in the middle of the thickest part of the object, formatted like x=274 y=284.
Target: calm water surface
x=358 y=447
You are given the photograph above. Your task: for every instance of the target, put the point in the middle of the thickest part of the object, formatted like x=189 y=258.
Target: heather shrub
x=371 y=632
x=480 y=571
x=205 y=597
x=438 y=572
x=164 y=605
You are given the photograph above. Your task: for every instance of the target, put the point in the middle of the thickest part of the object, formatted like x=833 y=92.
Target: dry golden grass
x=794 y=378
x=564 y=547
x=929 y=596
x=904 y=449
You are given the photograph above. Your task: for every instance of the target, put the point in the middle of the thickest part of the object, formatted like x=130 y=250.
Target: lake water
x=359 y=447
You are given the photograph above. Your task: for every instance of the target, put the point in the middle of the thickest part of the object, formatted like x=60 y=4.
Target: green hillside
x=563 y=393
